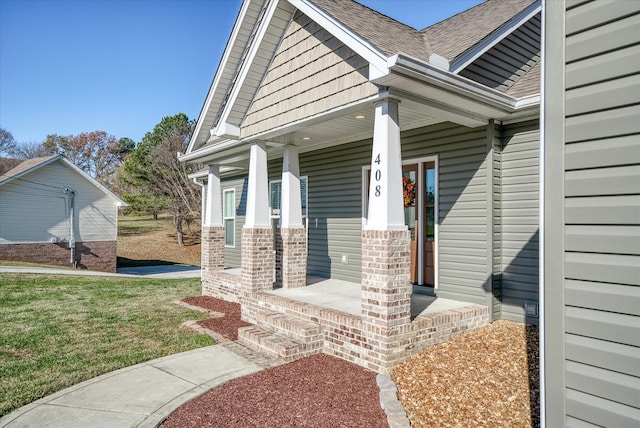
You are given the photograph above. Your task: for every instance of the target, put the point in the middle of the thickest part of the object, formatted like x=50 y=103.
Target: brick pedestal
x=257 y=259
x=294 y=257
x=212 y=241
x=386 y=290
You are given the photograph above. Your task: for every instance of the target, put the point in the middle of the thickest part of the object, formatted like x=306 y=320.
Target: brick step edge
x=297 y=329
x=274 y=344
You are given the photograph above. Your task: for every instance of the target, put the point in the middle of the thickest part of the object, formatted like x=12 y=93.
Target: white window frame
x=225 y=218
x=306 y=196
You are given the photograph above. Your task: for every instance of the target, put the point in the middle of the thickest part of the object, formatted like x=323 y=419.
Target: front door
x=419 y=195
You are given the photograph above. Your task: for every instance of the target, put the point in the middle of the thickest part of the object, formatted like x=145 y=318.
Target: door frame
x=421 y=220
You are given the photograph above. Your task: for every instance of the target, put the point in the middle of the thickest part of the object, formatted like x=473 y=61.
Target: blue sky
x=71 y=66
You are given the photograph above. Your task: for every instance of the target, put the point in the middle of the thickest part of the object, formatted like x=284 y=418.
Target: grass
x=56 y=331
x=143 y=241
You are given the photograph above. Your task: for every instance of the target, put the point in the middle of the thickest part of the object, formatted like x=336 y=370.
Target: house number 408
x=377 y=175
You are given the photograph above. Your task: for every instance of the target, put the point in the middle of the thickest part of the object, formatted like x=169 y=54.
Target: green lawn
x=56 y=331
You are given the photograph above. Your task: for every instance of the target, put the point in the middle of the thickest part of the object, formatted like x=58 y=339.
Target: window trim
x=306 y=196
x=225 y=218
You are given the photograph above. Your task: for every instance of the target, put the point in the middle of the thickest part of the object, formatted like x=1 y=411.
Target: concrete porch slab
x=344 y=296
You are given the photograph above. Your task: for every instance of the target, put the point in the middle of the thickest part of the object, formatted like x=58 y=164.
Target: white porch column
x=213 y=212
x=385 y=189
x=386 y=290
x=212 y=227
x=257 y=264
x=291 y=207
x=291 y=241
x=258 y=188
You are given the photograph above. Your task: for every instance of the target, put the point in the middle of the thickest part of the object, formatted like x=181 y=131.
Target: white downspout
x=72 y=237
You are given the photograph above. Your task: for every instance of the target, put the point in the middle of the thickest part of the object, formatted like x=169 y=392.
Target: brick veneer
x=294 y=257
x=257 y=264
x=346 y=336
x=381 y=337
x=93 y=255
x=386 y=290
x=221 y=285
x=212 y=251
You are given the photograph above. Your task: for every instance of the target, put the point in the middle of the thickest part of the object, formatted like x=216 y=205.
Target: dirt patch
x=318 y=391
x=226 y=326
x=486 y=378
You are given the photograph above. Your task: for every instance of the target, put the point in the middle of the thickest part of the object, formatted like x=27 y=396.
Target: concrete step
x=306 y=332
x=265 y=341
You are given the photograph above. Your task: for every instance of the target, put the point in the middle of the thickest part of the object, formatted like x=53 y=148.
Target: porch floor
x=344 y=296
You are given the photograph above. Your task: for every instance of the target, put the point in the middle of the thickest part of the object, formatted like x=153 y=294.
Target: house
x=372 y=189
x=54 y=213
x=591 y=217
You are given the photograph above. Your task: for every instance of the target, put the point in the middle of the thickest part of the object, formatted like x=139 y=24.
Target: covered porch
x=327 y=316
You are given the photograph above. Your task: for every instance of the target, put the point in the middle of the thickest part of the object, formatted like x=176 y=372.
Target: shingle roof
x=385 y=33
x=25 y=166
x=529 y=84
x=7 y=164
x=455 y=35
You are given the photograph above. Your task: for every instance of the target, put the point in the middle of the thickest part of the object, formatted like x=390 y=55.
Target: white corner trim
x=377 y=59
x=484 y=45
x=226 y=130
x=439 y=61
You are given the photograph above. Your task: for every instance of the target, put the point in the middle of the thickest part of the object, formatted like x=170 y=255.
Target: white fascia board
x=377 y=59
x=224 y=63
x=272 y=7
x=484 y=45
x=196 y=156
x=404 y=64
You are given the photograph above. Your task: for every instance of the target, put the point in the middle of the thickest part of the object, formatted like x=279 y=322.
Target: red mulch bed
x=318 y=391
x=226 y=326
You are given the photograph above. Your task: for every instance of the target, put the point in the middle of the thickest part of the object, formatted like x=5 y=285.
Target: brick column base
x=386 y=290
x=294 y=257
x=212 y=254
x=257 y=259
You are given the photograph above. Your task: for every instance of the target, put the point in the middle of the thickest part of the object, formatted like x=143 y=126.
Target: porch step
x=274 y=344
x=306 y=332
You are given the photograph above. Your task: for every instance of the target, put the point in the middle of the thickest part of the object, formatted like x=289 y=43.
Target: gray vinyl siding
x=494 y=143
x=520 y=218
x=601 y=275
x=334 y=218
x=311 y=72
x=464 y=268
x=232 y=255
x=505 y=63
x=34 y=209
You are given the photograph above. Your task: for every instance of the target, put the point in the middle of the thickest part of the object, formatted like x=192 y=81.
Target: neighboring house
x=369 y=155
x=591 y=217
x=54 y=213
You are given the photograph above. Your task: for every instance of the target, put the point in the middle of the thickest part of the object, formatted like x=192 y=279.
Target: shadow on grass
x=125 y=262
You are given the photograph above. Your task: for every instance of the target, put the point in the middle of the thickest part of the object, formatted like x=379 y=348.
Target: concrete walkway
x=160 y=271
x=137 y=396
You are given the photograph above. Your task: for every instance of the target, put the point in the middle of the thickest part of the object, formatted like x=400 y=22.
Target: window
x=228 y=217
x=275 y=197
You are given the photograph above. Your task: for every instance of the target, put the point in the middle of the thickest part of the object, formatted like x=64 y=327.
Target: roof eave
x=497 y=103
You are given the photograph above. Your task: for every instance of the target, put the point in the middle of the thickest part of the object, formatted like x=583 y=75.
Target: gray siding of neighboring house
x=311 y=72
x=506 y=62
x=594 y=375
x=520 y=219
x=34 y=208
